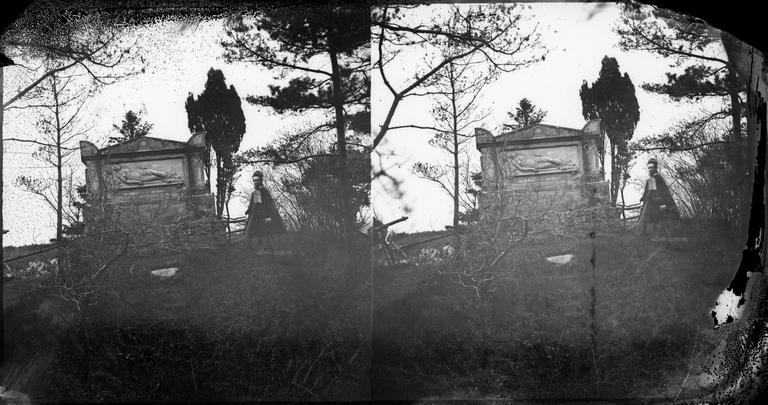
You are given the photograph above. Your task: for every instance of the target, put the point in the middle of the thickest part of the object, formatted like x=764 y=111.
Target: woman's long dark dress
x=258 y=212
x=653 y=198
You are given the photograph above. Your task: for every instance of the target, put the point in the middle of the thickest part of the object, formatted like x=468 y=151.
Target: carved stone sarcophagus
x=542 y=172
x=147 y=182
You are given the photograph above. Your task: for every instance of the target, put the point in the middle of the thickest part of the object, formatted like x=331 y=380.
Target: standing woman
x=659 y=207
x=263 y=218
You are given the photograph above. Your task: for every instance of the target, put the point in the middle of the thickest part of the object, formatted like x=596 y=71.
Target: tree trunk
x=745 y=147
x=455 y=151
x=743 y=154
x=219 y=181
x=207 y=166
x=733 y=93
x=226 y=205
x=623 y=202
x=614 y=167
x=347 y=214
x=59 y=179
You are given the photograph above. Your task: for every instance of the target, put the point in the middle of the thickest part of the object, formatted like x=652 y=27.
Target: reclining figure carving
x=540 y=163
x=142 y=176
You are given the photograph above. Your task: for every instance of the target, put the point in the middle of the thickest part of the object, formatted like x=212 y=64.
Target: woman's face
x=651 y=169
x=257 y=182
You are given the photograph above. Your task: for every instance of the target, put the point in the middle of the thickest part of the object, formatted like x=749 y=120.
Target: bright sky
x=577 y=37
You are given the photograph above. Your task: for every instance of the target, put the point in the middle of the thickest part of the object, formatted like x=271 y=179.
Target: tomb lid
x=140 y=145
x=541 y=132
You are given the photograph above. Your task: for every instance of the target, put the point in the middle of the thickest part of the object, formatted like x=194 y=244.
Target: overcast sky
x=577 y=37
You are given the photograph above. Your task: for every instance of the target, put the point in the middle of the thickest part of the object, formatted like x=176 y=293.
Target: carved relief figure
x=540 y=163
x=142 y=176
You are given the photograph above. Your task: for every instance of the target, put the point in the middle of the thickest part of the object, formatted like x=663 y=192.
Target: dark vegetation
x=285 y=40
x=527 y=335
x=236 y=326
x=217 y=113
x=131 y=127
x=611 y=99
x=228 y=326
x=525 y=114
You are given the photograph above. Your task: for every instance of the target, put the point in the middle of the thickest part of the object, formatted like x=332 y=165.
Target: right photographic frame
x=568 y=204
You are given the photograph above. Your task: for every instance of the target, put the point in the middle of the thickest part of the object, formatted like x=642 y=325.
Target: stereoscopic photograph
x=533 y=202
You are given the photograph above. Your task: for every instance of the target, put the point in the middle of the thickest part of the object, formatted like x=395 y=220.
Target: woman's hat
x=258 y=174
x=654 y=161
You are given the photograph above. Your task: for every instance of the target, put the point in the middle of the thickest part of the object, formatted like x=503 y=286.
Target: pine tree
x=526 y=114
x=691 y=45
x=218 y=113
x=132 y=127
x=611 y=98
x=713 y=147
x=286 y=39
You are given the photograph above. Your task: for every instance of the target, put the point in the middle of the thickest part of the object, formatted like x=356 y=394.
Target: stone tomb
x=147 y=183
x=545 y=174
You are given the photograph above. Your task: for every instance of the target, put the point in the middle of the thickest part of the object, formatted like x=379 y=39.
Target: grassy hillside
x=530 y=336
x=232 y=325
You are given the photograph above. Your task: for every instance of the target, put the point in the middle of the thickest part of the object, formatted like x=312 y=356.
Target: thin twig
x=690 y=365
x=194 y=379
x=304 y=388
x=313 y=363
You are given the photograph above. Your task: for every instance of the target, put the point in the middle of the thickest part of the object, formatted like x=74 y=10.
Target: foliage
x=487 y=251
x=287 y=39
x=59 y=102
x=288 y=331
x=306 y=191
x=626 y=161
x=67 y=45
x=472 y=215
x=691 y=45
x=72 y=202
x=71 y=42
x=217 y=112
x=705 y=170
x=706 y=75
x=297 y=35
x=696 y=83
x=611 y=99
x=526 y=114
x=131 y=127
x=529 y=336
x=292 y=40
